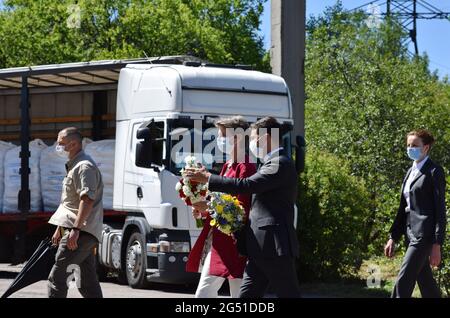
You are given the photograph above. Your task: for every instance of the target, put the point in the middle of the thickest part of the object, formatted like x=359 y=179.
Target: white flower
x=187 y=191
x=178 y=186
x=190 y=161
x=200 y=187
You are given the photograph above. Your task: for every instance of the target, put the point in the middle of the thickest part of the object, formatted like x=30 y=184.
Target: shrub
x=333 y=207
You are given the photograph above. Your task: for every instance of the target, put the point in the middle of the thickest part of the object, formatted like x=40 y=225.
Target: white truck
x=156 y=104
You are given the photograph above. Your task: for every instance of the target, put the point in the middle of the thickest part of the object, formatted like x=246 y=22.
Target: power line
x=439 y=64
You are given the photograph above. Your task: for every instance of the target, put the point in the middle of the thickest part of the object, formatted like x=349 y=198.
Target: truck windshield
x=197 y=138
x=193 y=138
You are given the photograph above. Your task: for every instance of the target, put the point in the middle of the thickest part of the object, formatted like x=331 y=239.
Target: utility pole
x=288 y=53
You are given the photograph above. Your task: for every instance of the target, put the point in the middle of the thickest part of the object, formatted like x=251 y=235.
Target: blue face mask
x=414 y=153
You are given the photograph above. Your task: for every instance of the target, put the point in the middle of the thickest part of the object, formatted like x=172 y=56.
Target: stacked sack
x=102 y=152
x=53 y=171
x=12 y=177
x=4 y=148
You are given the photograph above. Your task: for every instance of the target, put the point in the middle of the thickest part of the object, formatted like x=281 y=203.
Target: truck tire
x=102 y=272
x=122 y=278
x=136 y=261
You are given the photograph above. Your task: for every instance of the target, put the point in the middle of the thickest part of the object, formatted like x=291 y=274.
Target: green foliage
x=333 y=207
x=364 y=94
x=444 y=271
x=40 y=32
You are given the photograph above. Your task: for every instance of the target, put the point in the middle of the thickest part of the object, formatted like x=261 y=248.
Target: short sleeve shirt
x=83 y=178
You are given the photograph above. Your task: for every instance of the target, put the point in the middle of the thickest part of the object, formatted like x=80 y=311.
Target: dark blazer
x=270 y=231
x=427 y=215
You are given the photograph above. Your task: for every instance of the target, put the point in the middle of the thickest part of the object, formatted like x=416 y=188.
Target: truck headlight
x=179 y=247
x=174 y=247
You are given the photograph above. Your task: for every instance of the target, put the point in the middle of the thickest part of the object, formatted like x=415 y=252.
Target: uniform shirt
x=83 y=178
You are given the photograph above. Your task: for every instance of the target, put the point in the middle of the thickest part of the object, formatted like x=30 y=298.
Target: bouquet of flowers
x=190 y=191
x=226 y=212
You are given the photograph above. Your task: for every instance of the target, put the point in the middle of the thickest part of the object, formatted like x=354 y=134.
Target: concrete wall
x=288 y=52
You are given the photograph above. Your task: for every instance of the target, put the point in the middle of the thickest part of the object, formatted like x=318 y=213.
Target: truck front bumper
x=171 y=269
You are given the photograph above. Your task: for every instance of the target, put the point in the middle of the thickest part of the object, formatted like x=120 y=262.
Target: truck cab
x=156 y=105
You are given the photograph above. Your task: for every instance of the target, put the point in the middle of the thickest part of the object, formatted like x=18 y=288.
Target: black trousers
x=278 y=272
x=416 y=268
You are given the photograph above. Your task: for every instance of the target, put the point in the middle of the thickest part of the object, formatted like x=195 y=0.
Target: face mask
x=414 y=153
x=258 y=152
x=225 y=145
x=61 y=152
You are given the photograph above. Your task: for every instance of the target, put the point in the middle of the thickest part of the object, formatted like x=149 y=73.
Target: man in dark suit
x=421 y=217
x=270 y=237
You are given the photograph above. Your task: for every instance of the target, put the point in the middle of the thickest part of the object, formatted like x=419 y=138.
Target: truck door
x=143 y=184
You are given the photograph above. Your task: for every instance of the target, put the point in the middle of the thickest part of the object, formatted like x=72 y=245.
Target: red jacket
x=225 y=259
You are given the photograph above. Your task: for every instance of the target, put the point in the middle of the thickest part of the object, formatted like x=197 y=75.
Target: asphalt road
x=111 y=289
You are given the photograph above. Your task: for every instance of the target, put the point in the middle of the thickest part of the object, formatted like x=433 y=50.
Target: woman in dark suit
x=421 y=217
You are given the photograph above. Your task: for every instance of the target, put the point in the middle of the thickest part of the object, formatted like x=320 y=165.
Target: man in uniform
x=79 y=220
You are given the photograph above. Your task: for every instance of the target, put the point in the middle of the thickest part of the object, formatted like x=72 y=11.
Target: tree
x=364 y=93
x=332 y=205
x=46 y=31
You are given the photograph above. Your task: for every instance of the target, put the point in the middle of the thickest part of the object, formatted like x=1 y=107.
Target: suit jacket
x=270 y=230
x=426 y=219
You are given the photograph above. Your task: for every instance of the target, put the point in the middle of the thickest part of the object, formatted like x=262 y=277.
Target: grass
x=342 y=289
x=356 y=287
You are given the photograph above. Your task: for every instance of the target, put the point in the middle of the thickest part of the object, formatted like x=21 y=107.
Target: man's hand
x=196 y=214
x=200 y=175
x=389 y=249
x=201 y=206
x=435 y=257
x=72 y=241
x=56 y=236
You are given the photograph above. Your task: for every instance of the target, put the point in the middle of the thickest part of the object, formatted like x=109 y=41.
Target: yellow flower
x=227 y=197
x=213 y=222
x=226 y=229
x=219 y=209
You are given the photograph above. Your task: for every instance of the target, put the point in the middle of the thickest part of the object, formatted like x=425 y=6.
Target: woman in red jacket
x=215 y=254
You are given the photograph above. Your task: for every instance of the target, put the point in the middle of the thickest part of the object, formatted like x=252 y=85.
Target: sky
x=433 y=36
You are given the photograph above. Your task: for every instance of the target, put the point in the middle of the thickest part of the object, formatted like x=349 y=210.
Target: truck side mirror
x=149 y=148
x=300 y=152
x=144 y=148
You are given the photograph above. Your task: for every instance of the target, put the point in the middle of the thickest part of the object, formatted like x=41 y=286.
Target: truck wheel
x=102 y=273
x=122 y=278
x=136 y=261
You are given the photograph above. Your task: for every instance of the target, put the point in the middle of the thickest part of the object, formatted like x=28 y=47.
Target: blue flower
x=221 y=221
